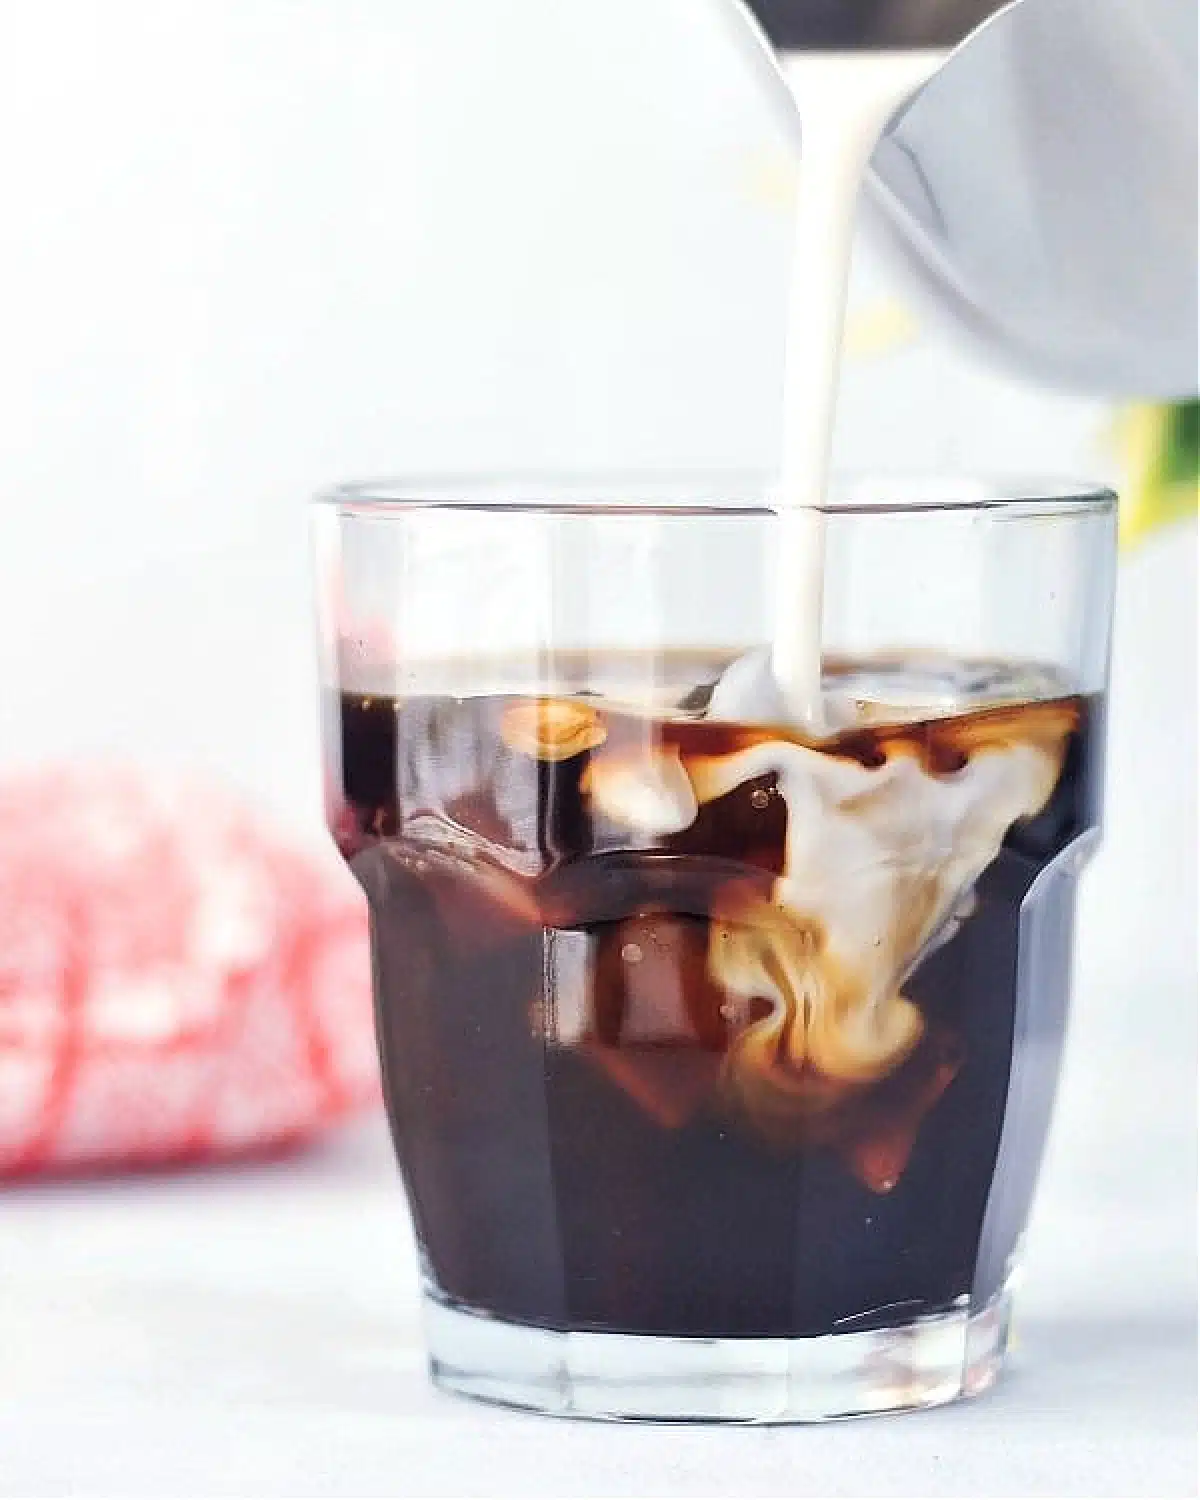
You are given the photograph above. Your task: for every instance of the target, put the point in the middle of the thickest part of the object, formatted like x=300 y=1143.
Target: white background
x=249 y=247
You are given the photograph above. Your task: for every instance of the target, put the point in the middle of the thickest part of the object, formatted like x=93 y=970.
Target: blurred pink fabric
x=178 y=981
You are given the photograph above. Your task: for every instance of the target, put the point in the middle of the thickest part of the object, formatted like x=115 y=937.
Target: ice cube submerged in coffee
x=698 y=1024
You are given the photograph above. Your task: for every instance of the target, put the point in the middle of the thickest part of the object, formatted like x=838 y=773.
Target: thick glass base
x=632 y=1377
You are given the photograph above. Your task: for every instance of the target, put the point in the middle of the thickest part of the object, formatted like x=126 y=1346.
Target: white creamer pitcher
x=1041 y=187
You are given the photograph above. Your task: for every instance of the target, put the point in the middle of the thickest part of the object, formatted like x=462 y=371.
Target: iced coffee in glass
x=719 y=1049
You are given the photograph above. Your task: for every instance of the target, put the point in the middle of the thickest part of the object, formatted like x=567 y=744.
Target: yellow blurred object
x=1159 y=448
x=879 y=328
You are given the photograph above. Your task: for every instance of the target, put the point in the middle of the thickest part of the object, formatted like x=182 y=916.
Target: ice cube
x=646 y=790
x=747 y=691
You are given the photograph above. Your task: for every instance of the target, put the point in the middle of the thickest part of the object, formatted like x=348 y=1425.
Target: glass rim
x=711 y=493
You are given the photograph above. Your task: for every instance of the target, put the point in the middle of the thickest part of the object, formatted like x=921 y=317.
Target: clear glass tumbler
x=719 y=1052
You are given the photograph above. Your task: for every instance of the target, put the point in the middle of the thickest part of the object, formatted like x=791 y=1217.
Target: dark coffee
x=709 y=1028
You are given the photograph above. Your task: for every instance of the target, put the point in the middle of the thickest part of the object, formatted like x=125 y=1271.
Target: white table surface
x=255 y=1332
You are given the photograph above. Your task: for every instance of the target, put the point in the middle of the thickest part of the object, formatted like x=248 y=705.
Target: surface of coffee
x=701 y=1026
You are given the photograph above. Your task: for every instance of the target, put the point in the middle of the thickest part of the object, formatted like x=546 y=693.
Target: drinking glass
x=719 y=1052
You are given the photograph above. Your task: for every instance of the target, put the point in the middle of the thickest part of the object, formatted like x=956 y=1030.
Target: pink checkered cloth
x=177 y=981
